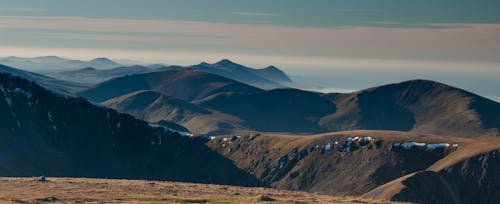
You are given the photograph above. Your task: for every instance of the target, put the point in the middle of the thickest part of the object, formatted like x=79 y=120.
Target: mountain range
x=51 y=63
x=268 y=78
x=415 y=141
x=449 y=110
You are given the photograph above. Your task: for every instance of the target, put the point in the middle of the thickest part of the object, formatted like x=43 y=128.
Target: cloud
x=470 y=43
x=243 y=13
x=22 y=9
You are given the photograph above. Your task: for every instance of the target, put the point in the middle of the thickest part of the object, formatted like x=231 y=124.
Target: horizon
x=131 y=62
x=338 y=45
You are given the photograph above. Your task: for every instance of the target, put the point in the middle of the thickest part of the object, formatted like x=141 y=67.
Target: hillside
x=156 y=107
x=357 y=162
x=186 y=84
x=84 y=190
x=45 y=133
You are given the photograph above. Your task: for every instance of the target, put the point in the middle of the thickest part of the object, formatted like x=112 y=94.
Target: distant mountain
x=45 y=133
x=56 y=63
x=156 y=107
x=267 y=78
x=50 y=83
x=93 y=76
x=419 y=106
x=186 y=84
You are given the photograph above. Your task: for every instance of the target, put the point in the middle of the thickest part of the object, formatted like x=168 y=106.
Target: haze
x=338 y=45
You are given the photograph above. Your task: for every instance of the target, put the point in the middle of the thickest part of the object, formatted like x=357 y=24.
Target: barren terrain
x=84 y=190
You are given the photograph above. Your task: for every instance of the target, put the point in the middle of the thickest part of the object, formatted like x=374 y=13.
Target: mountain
x=186 y=84
x=419 y=106
x=56 y=63
x=267 y=78
x=432 y=169
x=50 y=83
x=102 y=63
x=156 y=107
x=92 y=76
x=45 y=133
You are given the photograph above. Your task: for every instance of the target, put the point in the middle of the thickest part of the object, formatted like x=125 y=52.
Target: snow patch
x=436 y=146
x=367 y=139
x=409 y=145
x=328 y=146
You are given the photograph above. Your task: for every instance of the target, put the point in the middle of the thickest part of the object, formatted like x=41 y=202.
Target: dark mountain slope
x=418 y=106
x=44 y=133
x=51 y=83
x=156 y=107
x=279 y=110
x=186 y=84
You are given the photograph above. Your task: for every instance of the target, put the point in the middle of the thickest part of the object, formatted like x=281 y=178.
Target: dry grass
x=83 y=190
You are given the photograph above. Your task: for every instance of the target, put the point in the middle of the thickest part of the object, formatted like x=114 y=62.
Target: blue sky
x=341 y=45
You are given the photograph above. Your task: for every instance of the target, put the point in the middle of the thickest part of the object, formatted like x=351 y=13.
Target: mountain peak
x=102 y=59
x=88 y=69
x=272 y=67
x=226 y=62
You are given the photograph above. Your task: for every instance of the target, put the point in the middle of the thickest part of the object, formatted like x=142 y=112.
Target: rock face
x=45 y=133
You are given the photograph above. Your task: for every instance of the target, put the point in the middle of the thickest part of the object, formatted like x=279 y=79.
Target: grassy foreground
x=84 y=190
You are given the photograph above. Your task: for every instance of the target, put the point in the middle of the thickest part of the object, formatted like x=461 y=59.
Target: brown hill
x=186 y=84
x=355 y=162
x=156 y=107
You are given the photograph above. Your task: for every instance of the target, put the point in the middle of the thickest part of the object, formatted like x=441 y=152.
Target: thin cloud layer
x=458 y=42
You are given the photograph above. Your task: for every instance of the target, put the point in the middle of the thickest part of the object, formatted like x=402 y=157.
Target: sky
x=339 y=45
